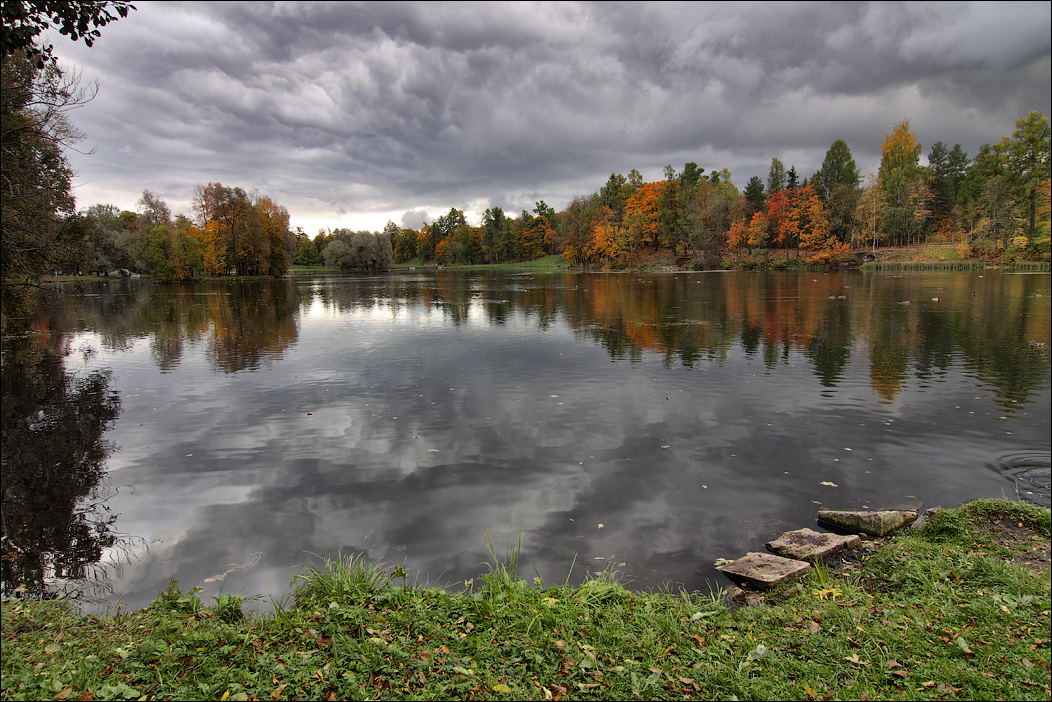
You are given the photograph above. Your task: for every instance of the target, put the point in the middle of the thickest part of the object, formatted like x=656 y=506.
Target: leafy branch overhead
x=25 y=20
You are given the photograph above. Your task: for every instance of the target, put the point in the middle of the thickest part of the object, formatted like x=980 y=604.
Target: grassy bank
x=957 y=610
x=545 y=263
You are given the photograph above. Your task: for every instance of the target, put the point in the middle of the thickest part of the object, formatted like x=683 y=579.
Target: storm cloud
x=351 y=114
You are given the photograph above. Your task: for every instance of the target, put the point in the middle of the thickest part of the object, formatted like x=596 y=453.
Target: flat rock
x=875 y=523
x=923 y=518
x=810 y=545
x=762 y=570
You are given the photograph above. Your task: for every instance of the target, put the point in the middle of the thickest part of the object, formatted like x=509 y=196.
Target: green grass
x=546 y=263
x=297 y=269
x=944 y=613
x=924 y=266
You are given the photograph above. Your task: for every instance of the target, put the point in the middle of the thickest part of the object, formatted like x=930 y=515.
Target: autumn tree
x=902 y=180
x=999 y=220
x=784 y=229
x=443 y=228
x=757 y=230
x=575 y=223
x=642 y=212
x=270 y=226
x=809 y=215
x=870 y=213
x=531 y=234
x=547 y=223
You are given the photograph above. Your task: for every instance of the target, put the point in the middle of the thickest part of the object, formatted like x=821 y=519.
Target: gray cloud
x=389 y=107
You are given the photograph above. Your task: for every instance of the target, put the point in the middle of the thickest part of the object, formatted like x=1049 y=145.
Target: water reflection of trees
x=242 y=323
x=890 y=321
x=56 y=526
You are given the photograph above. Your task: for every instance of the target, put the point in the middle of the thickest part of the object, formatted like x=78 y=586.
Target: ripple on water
x=1031 y=471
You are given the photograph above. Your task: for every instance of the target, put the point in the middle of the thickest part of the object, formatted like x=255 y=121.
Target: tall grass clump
x=344 y=579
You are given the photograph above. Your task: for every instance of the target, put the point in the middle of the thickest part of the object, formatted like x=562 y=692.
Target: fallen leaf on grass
x=275 y=694
x=501 y=687
x=66 y=692
x=930 y=683
x=688 y=681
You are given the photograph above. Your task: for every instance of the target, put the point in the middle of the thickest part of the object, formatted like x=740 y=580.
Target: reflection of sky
x=399 y=434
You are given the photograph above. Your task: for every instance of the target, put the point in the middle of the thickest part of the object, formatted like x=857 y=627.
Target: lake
x=220 y=433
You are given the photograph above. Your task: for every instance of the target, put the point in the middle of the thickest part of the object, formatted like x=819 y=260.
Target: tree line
x=231 y=233
x=993 y=206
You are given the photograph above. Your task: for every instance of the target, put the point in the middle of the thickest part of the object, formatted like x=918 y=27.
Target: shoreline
x=914 y=615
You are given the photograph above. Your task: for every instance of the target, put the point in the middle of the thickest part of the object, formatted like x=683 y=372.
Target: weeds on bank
x=946 y=613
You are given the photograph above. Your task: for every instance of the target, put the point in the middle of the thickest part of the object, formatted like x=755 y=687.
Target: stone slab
x=762 y=570
x=810 y=545
x=874 y=523
x=923 y=518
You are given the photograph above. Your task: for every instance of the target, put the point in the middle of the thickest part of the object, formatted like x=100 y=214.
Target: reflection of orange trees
x=254 y=323
x=891 y=340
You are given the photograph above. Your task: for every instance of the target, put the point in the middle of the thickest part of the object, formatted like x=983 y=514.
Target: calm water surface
x=218 y=433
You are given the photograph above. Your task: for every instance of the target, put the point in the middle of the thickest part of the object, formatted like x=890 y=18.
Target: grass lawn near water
x=959 y=609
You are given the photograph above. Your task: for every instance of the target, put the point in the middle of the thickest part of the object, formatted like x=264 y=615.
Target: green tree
x=938 y=164
x=107 y=246
x=754 y=196
x=775 y=177
x=492 y=221
x=36 y=195
x=999 y=220
x=615 y=193
x=841 y=207
x=956 y=173
x=307 y=253
x=838 y=168
x=1027 y=152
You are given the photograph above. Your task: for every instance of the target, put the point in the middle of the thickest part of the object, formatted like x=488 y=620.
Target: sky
x=354 y=114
